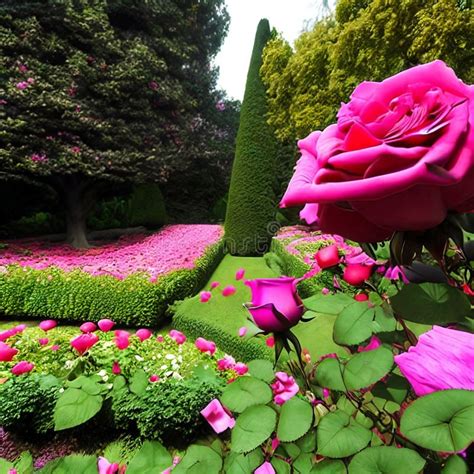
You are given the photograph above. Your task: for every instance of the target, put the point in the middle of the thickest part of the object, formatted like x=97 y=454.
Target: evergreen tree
x=252 y=202
x=96 y=92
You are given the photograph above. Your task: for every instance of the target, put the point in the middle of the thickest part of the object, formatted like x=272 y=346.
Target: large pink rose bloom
x=400 y=157
x=276 y=305
x=442 y=359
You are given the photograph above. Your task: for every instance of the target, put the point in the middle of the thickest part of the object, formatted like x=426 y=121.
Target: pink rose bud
x=116 y=370
x=47 y=324
x=43 y=341
x=160 y=338
x=6 y=352
x=178 y=336
x=361 y=297
x=242 y=331
x=205 y=346
x=143 y=334
x=328 y=256
x=226 y=363
x=105 y=325
x=205 y=296
x=241 y=368
x=217 y=416
x=228 y=290
x=214 y=284
x=240 y=274
x=374 y=343
x=325 y=291
x=275 y=443
x=84 y=342
x=88 y=327
x=265 y=468
x=326 y=392
x=270 y=341
x=154 y=378
x=122 y=339
x=357 y=274
x=22 y=367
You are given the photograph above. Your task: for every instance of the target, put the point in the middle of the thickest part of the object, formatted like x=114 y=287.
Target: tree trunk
x=78 y=203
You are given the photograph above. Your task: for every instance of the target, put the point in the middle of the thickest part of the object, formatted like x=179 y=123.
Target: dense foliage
x=102 y=92
x=252 y=200
x=366 y=40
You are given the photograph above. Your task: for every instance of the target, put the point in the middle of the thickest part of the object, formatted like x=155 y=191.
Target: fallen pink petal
x=205 y=296
x=229 y=290
x=217 y=416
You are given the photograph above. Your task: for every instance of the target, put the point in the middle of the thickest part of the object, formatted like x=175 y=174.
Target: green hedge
x=79 y=296
x=147 y=206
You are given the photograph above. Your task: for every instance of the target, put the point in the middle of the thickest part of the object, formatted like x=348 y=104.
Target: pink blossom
x=205 y=346
x=356 y=274
x=22 y=85
x=328 y=256
x=47 y=324
x=160 y=338
x=22 y=68
x=214 y=284
x=88 y=327
x=205 y=296
x=396 y=273
x=55 y=347
x=84 y=342
x=153 y=85
x=326 y=392
x=105 y=467
x=154 y=378
x=265 y=468
x=22 y=367
x=228 y=290
x=75 y=150
x=39 y=157
x=116 y=370
x=143 y=334
x=242 y=331
x=284 y=388
x=4 y=335
x=275 y=443
x=361 y=297
x=324 y=291
x=6 y=352
x=442 y=359
x=270 y=341
x=178 y=336
x=3 y=102
x=226 y=363
x=121 y=339
x=30 y=80
x=240 y=274
x=105 y=325
x=220 y=105
x=20 y=328
x=241 y=368
x=43 y=341
x=217 y=416
x=374 y=343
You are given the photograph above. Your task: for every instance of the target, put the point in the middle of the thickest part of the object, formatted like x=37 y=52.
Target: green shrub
x=252 y=200
x=79 y=296
x=109 y=214
x=147 y=206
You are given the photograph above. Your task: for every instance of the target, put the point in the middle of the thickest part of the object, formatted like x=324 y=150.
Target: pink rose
x=356 y=274
x=84 y=342
x=275 y=305
x=205 y=296
x=328 y=256
x=178 y=336
x=88 y=327
x=284 y=388
x=205 y=346
x=229 y=290
x=400 y=157
x=22 y=367
x=6 y=352
x=105 y=325
x=143 y=334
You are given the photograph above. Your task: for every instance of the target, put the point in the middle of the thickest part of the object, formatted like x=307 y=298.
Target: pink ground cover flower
x=84 y=342
x=154 y=378
x=284 y=388
x=6 y=352
x=47 y=324
x=226 y=363
x=88 y=327
x=241 y=368
x=105 y=325
x=43 y=341
x=205 y=296
x=173 y=247
x=122 y=339
x=229 y=290
x=143 y=334
x=442 y=359
x=217 y=416
x=116 y=370
x=178 y=336
x=22 y=367
x=205 y=346
x=214 y=284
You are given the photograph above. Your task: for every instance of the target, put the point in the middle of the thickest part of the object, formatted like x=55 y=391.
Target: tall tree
x=95 y=92
x=252 y=203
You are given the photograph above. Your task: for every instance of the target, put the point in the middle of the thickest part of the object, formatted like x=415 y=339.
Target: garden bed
x=131 y=281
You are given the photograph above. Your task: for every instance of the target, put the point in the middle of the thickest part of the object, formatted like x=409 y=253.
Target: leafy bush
x=147 y=206
x=109 y=214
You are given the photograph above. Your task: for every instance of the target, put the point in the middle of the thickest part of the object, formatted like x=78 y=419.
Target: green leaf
x=74 y=407
x=329 y=374
x=139 y=382
x=243 y=463
x=441 y=421
x=296 y=418
x=303 y=463
x=384 y=320
x=205 y=373
x=261 y=369
x=328 y=304
x=383 y=459
x=197 y=460
x=455 y=465
x=431 y=303
x=280 y=466
x=252 y=428
x=24 y=463
x=73 y=463
x=339 y=435
x=245 y=392
x=152 y=457
x=5 y=466
x=91 y=387
x=368 y=367
x=354 y=324
x=329 y=466
x=394 y=389
x=307 y=443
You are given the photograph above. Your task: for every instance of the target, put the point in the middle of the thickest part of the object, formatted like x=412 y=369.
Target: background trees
x=96 y=92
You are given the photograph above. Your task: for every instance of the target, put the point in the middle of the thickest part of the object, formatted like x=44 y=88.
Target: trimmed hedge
x=79 y=296
x=147 y=206
x=252 y=200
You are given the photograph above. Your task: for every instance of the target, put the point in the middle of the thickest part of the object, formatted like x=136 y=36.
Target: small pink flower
x=328 y=256
x=374 y=343
x=75 y=150
x=361 y=297
x=143 y=334
x=105 y=467
x=214 y=284
x=270 y=341
x=55 y=347
x=84 y=342
x=22 y=68
x=6 y=352
x=22 y=367
x=43 y=341
x=220 y=105
x=22 y=85
x=88 y=327
x=105 y=325
x=326 y=392
x=154 y=378
x=116 y=370
x=153 y=85
x=178 y=336
x=4 y=335
x=240 y=274
x=160 y=338
x=242 y=331
x=205 y=296
x=265 y=468
x=396 y=273
x=205 y=346
x=122 y=339
x=217 y=416
x=20 y=328
x=284 y=388
x=356 y=274
x=275 y=443
x=226 y=363
x=241 y=368
x=30 y=80
x=325 y=291
x=48 y=324
x=228 y=290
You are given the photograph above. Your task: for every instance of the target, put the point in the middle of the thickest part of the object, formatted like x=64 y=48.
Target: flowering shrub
x=132 y=281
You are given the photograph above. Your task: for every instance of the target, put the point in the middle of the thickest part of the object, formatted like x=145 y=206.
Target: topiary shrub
x=147 y=206
x=252 y=200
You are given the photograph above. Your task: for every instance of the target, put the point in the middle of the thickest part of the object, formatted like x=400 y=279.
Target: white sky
x=287 y=16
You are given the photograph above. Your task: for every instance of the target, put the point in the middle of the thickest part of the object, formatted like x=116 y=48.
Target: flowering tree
x=101 y=92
